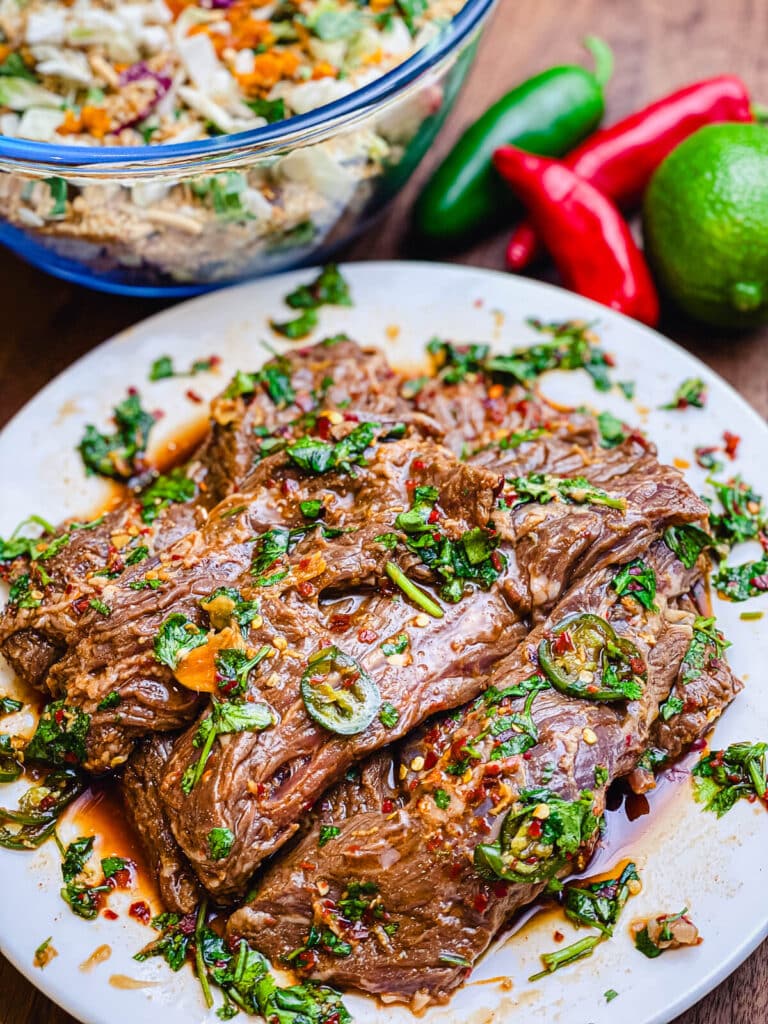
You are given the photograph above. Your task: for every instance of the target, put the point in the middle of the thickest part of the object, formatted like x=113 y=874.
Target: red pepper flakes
x=307 y=960
x=609 y=359
x=323 y=428
x=496 y=561
x=121 y=879
x=133 y=391
x=500 y=889
x=194 y=396
x=352 y=417
x=456 y=869
x=289 y=485
x=307 y=865
x=534 y=829
x=59 y=716
x=558 y=936
x=367 y=636
x=434 y=843
x=109 y=914
x=732 y=442
x=437 y=537
x=418 y=465
x=387 y=806
x=637 y=665
x=304 y=564
x=80 y=605
x=563 y=642
x=430 y=759
x=433 y=517
x=339 y=623
x=410 y=484
x=140 y=910
x=480 y=903
x=305 y=589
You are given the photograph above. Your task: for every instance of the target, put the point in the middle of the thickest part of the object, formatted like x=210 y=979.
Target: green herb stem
x=416 y=594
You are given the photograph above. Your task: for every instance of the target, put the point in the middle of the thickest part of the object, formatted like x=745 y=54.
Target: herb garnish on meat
x=60 y=736
x=224 y=717
x=543 y=488
x=537 y=837
x=639 y=580
x=175 y=638
x=172 y=488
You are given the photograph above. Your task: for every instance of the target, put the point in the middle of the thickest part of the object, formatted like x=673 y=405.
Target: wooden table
x=659 y=44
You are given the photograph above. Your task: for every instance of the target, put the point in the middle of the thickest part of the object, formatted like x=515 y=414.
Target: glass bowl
x=162 y=220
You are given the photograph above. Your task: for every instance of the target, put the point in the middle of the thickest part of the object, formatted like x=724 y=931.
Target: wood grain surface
x=659 y=44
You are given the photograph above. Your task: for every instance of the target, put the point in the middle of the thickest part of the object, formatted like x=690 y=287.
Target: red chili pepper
x=732 y=442
x=590 y=241
x=621 y=159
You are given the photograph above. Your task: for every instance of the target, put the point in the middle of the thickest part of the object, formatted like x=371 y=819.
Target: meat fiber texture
x=412 y=854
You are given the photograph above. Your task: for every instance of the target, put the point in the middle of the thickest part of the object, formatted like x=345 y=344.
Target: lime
x=706 y=225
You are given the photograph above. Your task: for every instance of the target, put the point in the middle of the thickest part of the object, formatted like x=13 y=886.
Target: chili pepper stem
x=602 y=55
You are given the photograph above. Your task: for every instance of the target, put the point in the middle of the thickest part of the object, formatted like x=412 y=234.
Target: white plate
x=686 y=857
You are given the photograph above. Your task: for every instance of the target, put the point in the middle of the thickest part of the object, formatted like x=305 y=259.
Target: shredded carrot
x=380 y=5
x=324 y=70
x=96 y=120
x=71 y=125
x=375 y=58
x=268 y=69
x=5 y=49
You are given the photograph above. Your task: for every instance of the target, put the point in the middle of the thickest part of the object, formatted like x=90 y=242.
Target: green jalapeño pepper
x=584 y=657
x=538 y=837
x=547 y=115
x=338 y=693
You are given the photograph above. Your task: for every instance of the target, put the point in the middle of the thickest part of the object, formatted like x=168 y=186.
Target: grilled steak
x=399 y=886
x=258 y=785
x=176 y=881
x=282 y=398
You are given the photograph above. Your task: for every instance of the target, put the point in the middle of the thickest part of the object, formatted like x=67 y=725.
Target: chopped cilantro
x=327 y=833
x=220 y=843
x=118 y=455
x=389 y=716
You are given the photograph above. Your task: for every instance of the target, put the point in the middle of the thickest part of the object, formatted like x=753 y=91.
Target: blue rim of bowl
x=459 y=28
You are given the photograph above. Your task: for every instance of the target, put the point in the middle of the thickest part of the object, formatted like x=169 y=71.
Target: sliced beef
x=176 y=881
x=331 y=375
x=259 y=784
x=704 y=687
x=406 y=846
x=284 y=398
x=33 y=638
